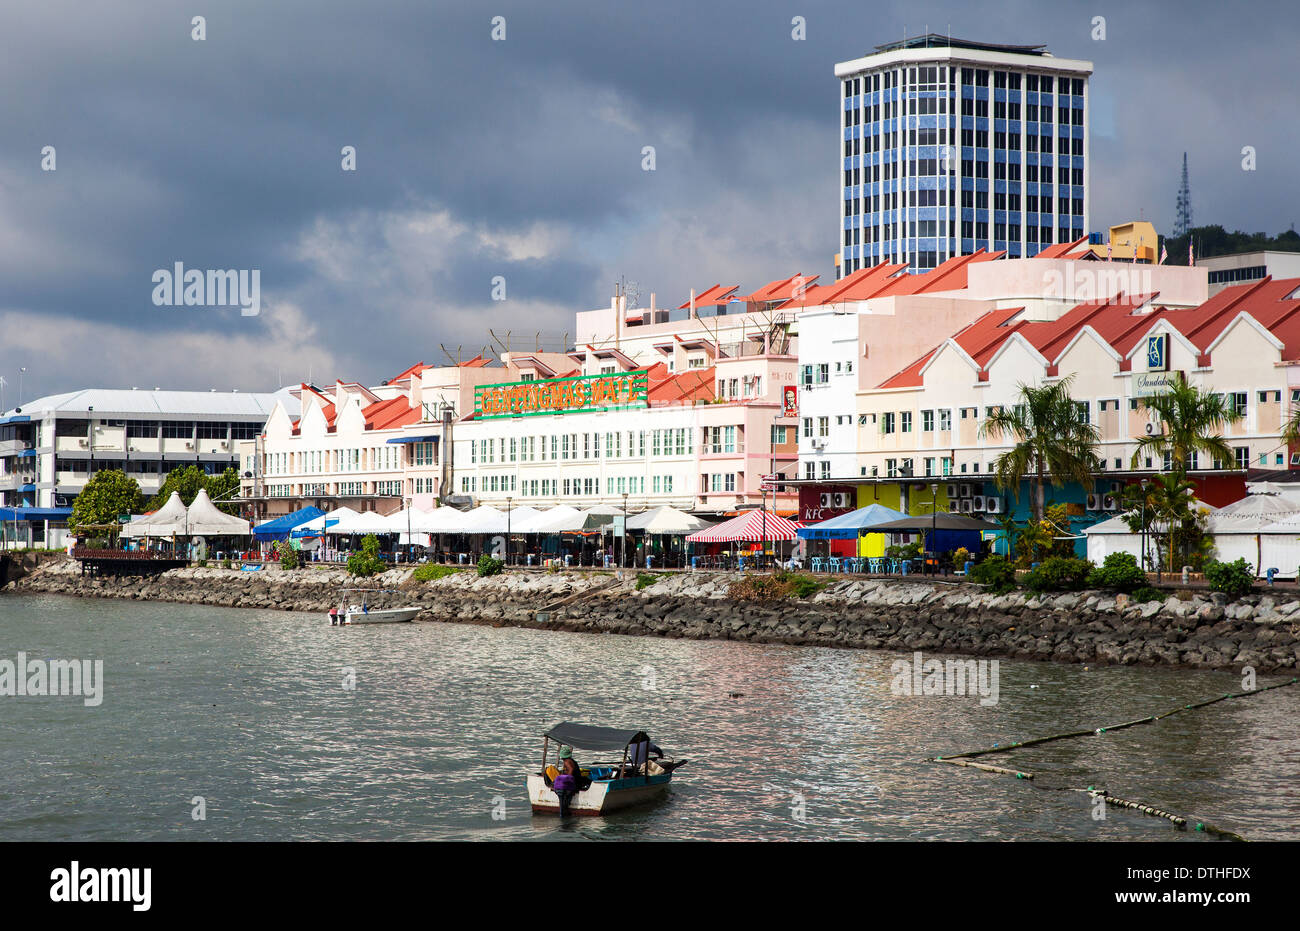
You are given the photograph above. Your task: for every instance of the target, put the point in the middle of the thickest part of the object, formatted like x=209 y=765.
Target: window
x=1242 y=455
x=945 y=420
x=807 y=427
x=906 y=421
x=1237 y=401
x=825 y=470
x=823 y=427
x=887 y=422
x=927 y=421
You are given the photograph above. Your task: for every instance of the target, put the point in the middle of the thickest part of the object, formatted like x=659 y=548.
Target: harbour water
x=249 y=712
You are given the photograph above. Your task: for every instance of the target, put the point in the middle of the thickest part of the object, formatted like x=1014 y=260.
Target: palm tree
x=1052 y=443
x=1170 y=501
x=1192 y=421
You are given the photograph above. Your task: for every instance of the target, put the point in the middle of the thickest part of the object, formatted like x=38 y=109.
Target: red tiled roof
x=781 y=289
x=1117 y=321
x=714 y=295
x=1061 y=249
x=395 y=412
x=413 y=370
x=691 y=385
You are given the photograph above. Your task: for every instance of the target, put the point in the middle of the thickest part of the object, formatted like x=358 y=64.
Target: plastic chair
x=817 y=563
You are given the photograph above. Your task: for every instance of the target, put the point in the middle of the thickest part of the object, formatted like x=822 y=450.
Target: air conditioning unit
x=826 y=500
x=1110 y=503
x=992 y=505
x=951 y=491
x=841 y=499
x=966 y=505
x=967 y=490
x=83 y=443
x=977 y=504
x=954 y=506
x=1094 y=502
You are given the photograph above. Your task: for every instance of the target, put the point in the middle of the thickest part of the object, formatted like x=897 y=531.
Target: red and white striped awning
x=748 y=528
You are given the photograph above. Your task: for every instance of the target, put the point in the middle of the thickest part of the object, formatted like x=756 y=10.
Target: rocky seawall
x=1195 y=630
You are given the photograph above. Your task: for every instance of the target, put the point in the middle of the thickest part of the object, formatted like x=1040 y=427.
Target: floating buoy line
x=1182 y=823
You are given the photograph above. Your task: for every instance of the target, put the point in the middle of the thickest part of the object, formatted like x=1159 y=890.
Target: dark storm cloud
x=519 y=158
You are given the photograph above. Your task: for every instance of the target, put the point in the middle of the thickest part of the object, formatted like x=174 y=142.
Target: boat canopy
x=587 y=737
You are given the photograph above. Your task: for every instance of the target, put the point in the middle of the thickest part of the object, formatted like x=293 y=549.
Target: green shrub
x=1147 y=593
x=287 y=555
x=644 y=579
x=1234 y=578
x=488 y=566
x=1119 y=572
x=366 y=562
x=1059 y=574
x=432 y=572
x=995 y=573
x=803 y=585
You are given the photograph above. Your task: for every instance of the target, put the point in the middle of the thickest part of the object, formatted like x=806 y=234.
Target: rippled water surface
x=248 y=710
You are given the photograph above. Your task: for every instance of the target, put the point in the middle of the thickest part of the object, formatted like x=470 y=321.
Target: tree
x=108 y=495
x=185 y=480
x=1191 y=423
x=222 y=487
x=1167 y=510
x=1052 y=443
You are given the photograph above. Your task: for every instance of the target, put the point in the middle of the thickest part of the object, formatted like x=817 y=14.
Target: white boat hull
x=377 y=616
x=602 y=797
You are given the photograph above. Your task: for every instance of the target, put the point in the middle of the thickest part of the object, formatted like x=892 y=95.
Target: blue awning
x=417 y=439
x=280 y=527
x=12 y=514
x=27 y=454
x=852 y=525
x=16 y=418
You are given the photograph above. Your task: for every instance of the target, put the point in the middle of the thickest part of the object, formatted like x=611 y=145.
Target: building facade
x=950 y=146
x=50 y=447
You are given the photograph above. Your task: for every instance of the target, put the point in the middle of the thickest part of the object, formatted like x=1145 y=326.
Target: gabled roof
x=1119 y=322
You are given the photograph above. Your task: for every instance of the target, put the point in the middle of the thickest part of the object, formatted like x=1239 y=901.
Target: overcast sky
x=520 y=158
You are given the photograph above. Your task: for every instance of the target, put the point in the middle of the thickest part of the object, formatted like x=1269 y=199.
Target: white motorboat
x=346 y=615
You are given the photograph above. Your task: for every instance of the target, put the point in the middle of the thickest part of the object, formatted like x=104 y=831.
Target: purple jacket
x=564 y=783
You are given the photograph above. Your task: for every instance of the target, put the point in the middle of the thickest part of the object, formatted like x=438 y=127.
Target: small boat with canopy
x=641 y=773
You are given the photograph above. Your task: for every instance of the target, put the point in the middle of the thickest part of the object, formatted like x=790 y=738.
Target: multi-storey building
x=51 y=446
x=367 y=448
x=927 y=418
x=702 y=439
x=950 y=146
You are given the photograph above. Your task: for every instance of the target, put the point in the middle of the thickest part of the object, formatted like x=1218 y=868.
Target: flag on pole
x=1108 y=249
x=1191 y=256
x=1164 y=252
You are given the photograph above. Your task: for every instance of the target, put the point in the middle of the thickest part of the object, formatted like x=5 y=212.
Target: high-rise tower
x=1183 y=218
x=949 y=146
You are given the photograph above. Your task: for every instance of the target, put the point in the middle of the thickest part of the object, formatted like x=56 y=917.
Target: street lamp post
x=409 y=547
x=623 y=561
x=1144 y=485
x=934 y=509
x=508 y=500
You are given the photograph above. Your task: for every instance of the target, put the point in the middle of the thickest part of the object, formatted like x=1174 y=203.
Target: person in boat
x=637 y=752
x=570 y=781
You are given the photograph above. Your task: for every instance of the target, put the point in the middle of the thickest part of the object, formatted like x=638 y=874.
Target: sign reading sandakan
x=1146 y=384
x=561 y=395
